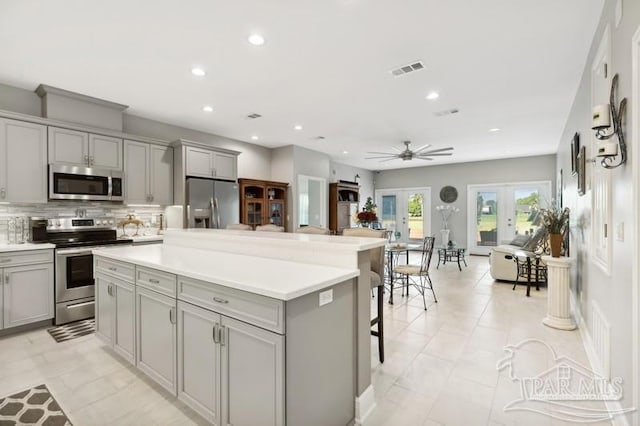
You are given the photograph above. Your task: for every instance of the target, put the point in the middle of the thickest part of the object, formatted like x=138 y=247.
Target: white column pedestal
x=558 y=306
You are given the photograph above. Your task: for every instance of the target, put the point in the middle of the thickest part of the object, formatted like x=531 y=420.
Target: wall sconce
x=602 y=117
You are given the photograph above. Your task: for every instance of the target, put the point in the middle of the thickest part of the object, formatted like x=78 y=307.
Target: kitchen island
x=244 y=339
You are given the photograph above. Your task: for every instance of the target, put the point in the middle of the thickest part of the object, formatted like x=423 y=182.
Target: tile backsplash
x=68 y=209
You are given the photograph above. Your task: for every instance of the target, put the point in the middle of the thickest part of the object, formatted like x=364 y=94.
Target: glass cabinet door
x=254 y=213
x=276 y=210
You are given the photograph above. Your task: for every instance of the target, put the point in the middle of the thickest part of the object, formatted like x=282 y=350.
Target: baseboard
x=612 y=406
x=365 y=404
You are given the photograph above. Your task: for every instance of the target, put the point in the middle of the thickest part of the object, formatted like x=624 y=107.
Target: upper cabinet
x=210 y=164
x=84 y=149
x=149 y=173
x=23 y=162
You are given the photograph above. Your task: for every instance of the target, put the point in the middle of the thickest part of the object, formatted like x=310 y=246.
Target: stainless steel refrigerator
x=211 y=203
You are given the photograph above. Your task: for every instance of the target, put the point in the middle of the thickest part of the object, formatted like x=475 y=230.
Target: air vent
x=406 y=69
x=446 y=112
x=319 y=138
x=253 y=116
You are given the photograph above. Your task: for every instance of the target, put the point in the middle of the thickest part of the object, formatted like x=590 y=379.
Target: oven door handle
x=78 y=251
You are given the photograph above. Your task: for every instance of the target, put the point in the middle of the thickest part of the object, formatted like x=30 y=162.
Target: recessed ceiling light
x=254 y=138
x=345 y=152
x=297 y=127
x=207 y=108
x=495 y=129
x=433 y=96
x=256 y=39
x=198 y=72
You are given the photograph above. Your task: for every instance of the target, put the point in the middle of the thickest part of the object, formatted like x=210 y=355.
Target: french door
x=405 y=211
x=500 y=212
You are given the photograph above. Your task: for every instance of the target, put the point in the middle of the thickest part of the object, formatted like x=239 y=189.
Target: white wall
x=459 y=175
x=611 y=292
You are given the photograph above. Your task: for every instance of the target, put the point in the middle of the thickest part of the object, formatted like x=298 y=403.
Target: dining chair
x=270 y=228
x=418 y=275
x=238 y=227
x=531 y=268
x=310 y=229
x=376 y=275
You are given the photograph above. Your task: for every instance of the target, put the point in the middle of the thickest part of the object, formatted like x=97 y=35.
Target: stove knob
x=49 y=222
x=111 y=222
x=98 y=222
x=58 y=223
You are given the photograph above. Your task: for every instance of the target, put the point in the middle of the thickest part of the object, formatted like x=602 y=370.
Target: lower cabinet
x=27 y=294
x=115 y=315
x=226 y=365
x=156 y=320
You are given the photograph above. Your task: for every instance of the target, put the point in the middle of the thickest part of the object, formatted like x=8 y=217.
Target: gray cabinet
x=252 y=375
x=226 y=365
x=149 y=173
x=199 y=360
x=156 y=348
x=115 y=315
x=23 y=162
x=27 y=294
x=76 y=148
x=211 y=164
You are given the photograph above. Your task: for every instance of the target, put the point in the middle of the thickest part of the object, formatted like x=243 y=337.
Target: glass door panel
x=525 y=209
x=406 y=212
x=486 y=218
x=275 y=212
x=254 y=213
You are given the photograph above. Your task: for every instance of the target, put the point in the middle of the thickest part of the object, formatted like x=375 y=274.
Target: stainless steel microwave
x=84 y=183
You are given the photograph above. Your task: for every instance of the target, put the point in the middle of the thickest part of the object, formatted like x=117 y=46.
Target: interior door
x=497 y=213
x=405 y=211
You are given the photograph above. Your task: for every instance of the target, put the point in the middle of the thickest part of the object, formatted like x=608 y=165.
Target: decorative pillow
x=520 y=240
x=536 y=240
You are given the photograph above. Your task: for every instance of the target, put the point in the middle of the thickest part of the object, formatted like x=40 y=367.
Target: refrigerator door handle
x=215 y=203
x=213 y=213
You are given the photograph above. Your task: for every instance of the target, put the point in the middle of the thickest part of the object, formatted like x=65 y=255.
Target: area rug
x=65 y=332
x=35 y=406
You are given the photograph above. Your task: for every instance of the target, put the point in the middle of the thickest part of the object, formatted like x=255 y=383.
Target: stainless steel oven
x=84 y=183
x=74 y=283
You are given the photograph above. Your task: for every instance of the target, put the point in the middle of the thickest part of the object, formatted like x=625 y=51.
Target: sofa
x=501 y=259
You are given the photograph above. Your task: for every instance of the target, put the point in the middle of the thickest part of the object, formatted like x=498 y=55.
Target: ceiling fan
x=408 y=154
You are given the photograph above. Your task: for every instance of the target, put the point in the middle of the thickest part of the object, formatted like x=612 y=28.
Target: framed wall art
x=582 y=171
x=575 y=148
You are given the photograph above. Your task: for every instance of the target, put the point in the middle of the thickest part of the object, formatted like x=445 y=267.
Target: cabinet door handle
x=223 y=332
x=172 y=315
x=6 y=260
x=86 y=159
x=215 y=172
x=151 y=197
x=154 y=281
x=91 y=160
x=6 y=278
x=220 y=300
x=215 y=333
x=3 y=192
x=111 y=268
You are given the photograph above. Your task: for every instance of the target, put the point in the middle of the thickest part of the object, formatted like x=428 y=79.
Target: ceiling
x=512 y=65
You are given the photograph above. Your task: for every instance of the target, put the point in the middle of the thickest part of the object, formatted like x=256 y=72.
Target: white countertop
x=142 y=238
x=279 y=279
x=5 y=248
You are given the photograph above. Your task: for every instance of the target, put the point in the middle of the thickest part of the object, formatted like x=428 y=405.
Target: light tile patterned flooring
x=439 y=368
x=440 y=364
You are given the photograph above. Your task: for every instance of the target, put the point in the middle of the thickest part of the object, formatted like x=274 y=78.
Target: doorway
x=406 y=212
x=500 y=212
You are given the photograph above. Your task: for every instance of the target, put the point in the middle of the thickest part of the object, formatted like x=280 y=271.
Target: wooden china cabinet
x=263 y=202
x=343 y=202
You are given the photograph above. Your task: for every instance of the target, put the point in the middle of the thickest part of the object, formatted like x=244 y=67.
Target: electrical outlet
x=326 y=297
x=620 y=231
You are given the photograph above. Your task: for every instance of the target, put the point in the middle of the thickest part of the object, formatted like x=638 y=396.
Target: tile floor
x=440 y=366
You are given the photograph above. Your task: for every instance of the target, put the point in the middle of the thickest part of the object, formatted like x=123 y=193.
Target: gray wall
x=459 y=175
x=19 y=100
x=613 y=292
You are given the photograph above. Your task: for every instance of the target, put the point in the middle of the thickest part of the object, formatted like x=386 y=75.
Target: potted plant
x=368 y=213
x=555 y=221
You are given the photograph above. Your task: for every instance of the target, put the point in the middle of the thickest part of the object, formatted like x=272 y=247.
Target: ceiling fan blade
x=378 y=152
x=389 y=159
x=437 y=154
x=424 y=158
x=397 y=149
x=421 y=148
x=378 y=157
x=433 y=151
